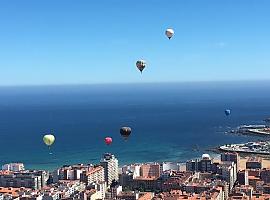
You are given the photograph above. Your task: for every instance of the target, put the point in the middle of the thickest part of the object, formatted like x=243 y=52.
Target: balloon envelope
x=125 y=132
x=108 y=140
x=227 y=112
x=48 y=139
x=141 y=65
x=169 y=33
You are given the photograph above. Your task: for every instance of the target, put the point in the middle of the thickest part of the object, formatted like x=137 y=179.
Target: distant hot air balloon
x=125 y=132
x=49 y=140
x=169 y=33
x=108 y=140
x=141 y=65
x=227 y=112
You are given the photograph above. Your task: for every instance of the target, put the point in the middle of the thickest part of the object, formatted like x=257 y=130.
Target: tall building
x=228 y=172
x=44 y=176
x=13 y=167
x=192 y=165
x=231 y=156
x=35 y=179
x=150 y=170
x=126 y=178
x=95 y=175
x=21 y=180
x=206 y=163
x=134 y=168
x=169 y=166
x=70 y=172
x=110 y=165
x=203 y=165
x=242 y=177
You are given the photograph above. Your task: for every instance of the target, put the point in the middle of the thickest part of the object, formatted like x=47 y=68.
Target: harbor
x=258 y=130
x=262 y=147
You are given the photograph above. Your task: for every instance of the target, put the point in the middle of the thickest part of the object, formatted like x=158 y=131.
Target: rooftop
x=146 y=178
x=254 y=159
x=94 y=170
x=12 y=191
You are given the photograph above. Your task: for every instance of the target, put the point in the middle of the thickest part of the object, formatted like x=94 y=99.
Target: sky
x=99 y=41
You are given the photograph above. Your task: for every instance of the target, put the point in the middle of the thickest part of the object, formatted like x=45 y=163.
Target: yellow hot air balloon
x=49 y=140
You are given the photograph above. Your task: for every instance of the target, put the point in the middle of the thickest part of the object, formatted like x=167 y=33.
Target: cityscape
x=134 y=100
x=226 y=177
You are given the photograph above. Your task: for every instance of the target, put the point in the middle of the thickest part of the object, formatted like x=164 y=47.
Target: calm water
x=168 y=120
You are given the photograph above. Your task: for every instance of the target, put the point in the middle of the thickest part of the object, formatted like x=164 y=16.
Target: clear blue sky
x=99 y=41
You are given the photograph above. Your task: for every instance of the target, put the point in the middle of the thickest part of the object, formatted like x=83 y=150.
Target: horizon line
x=133 y=83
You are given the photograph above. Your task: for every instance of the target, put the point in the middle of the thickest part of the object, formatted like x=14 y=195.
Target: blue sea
x=168 y=120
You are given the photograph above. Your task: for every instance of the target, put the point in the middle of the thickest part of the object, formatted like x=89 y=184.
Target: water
x=168 y=120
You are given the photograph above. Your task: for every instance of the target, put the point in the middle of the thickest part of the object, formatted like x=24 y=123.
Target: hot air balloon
x=227 y=112
x=49 y=140
x=141 y=65
x=108 y=140
x=169 y=33
x=125 y=132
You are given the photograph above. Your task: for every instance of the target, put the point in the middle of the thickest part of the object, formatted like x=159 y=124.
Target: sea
x=170 y=121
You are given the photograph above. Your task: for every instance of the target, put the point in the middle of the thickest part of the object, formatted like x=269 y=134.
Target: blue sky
x=99 y=41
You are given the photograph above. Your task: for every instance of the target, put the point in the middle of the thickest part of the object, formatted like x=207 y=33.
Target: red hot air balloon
x=108 y=140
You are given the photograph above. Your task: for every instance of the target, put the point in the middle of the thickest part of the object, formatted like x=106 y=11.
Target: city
x=228 y=177
x=134 y=100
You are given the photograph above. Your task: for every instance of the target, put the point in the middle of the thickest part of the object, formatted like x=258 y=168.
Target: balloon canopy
x=125 y=132
x=141 y=64
x=108 y=140
x=169 y=33
x=48 y=139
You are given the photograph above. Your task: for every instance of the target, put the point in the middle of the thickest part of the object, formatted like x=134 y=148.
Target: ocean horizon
x=168 y=120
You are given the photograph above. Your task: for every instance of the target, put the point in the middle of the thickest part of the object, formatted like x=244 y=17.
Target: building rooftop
x=5 y=172
x=146 y=178
x=253 y=178
x=145 y=195
x=254 y=159
x=126 y=194
x=206 y=156
x=14 y=192
x=90 y=192
x=94 y=170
